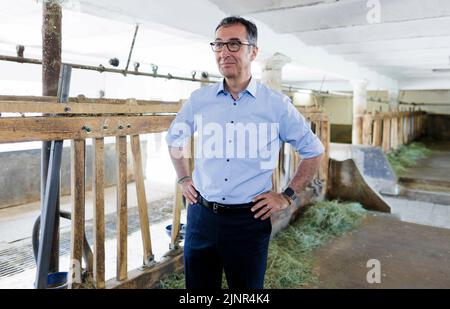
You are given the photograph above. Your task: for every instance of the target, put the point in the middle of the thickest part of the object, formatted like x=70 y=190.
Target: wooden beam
x=83 y=99
x=122 y=220
x=142 y=199
x=78 y=154
x=377 y=131
x=149 y=277
x=17 y=129
x=86 y=108
x=99 y=212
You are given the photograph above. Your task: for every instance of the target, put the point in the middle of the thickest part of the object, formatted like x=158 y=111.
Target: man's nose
x=225 y=51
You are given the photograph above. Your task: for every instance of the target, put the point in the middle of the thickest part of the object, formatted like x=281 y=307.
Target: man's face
x=234 y=64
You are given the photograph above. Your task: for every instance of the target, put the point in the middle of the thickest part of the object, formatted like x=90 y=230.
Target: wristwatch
x=290 y=194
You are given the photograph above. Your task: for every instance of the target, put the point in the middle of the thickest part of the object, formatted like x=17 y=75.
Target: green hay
x=407 y=155
x=290 y=261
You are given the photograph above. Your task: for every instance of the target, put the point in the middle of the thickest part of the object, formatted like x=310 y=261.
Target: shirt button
x=234 y=103
x=223 y=199
x=229 y=141
x=226 y=179
x=228 y=160
x=232 y=121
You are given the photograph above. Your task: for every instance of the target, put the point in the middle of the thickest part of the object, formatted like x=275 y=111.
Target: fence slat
x=78 y=154
x=141 y=197
x=122 y=222
x=99 y=212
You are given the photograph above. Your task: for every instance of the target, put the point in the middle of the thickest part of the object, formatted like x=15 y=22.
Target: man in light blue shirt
x=240 y=125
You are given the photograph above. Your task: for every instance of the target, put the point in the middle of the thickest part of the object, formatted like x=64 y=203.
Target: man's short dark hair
x=252 y=30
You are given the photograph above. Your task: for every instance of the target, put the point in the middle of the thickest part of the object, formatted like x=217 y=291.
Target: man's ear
x=254 y=52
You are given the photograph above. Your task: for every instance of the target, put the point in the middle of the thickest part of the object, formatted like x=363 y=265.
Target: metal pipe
x=132 y=46
x=102 y=69
x=49 y=212
x=50 y=199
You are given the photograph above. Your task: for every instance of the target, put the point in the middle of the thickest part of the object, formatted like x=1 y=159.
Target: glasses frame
x=212 y=44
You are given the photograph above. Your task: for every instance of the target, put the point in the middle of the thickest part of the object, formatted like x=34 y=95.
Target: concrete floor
x=428 y=179
x=410 y=256
x=432 y=172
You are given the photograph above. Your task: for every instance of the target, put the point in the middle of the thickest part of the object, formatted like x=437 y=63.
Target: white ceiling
x=404 y=39
x=330 y=42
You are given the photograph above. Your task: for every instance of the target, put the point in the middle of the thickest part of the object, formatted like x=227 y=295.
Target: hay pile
x=290 y=261
x=407 y=155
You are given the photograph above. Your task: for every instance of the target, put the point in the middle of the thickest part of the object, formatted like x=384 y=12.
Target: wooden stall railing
x=81 y=119
x=389 y=130
x=319 y=124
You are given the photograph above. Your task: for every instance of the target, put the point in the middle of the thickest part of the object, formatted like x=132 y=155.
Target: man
x=240 y=124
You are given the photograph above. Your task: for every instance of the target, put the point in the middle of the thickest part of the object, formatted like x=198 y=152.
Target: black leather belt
x=225 y=208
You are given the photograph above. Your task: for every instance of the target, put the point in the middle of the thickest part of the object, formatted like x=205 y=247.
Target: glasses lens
x=217 y=46
x=234 y=46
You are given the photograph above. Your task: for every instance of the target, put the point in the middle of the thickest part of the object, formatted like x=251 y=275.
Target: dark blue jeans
x=236 y=243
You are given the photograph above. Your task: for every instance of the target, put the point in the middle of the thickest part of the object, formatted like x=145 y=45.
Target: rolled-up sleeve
x=296 y=131
x=182 y=127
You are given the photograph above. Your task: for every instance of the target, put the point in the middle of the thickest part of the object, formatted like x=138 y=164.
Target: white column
x=272 y=69
x=393 y=99
x=359 y=107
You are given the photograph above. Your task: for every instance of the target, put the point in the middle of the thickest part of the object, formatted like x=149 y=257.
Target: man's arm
x=181 y=163
x=304 y=174
x=271 y=202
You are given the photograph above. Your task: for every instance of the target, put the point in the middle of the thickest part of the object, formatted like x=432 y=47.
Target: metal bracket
x=149 y=262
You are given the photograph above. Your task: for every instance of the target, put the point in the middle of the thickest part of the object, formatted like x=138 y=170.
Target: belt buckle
x=215 y=207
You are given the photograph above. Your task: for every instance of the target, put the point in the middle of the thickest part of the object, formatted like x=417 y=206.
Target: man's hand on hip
x=269 y=203
x=189 y=191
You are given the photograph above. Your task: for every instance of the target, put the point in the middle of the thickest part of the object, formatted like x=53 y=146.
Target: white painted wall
x=339 y=109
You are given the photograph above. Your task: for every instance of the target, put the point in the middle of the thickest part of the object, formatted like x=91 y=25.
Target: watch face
x=289 y=192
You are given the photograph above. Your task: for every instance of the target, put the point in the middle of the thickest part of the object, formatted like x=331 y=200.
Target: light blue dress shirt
x=238 y=141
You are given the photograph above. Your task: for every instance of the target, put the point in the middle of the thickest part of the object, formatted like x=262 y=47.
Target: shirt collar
x=251 y=88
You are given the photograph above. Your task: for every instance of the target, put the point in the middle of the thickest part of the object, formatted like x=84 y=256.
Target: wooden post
x=394 y=131
x=78 y=151
x=386 y=132
x=122 y=222
x=377 y=131
x=325 y=138
x=407 y=128
x=176 y=213
x=142 y=199
x=400 y=128
x=367 y=129
x=51 y=65
x=99 y=212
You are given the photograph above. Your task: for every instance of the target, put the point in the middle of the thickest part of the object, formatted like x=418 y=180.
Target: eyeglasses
x=233 y=46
